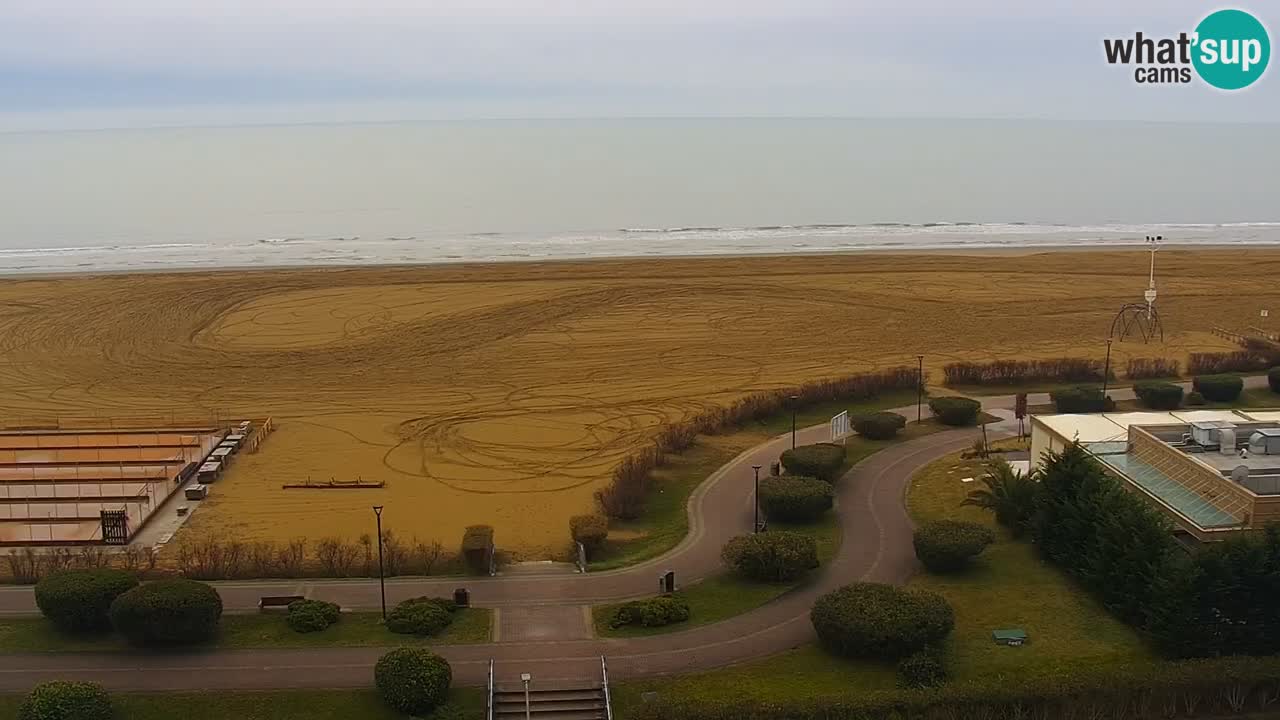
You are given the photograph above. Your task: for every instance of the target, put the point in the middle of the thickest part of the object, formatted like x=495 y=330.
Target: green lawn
x=723 y=596
x=470 y=625
x=464 y=704
x=665 y=521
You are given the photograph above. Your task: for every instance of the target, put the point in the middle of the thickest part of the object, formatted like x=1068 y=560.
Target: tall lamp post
x=382 y=583
x=795 y=400
x=1106 y=374
x=755 y=527
x=919 y=388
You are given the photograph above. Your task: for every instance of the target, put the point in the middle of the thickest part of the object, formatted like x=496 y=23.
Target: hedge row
x=1218 y=363
x=1219 y=388
x=876 y=621
x=1016 y=372
x=1198 y=688
x=650 y=612
x=421 y=616
x=1152 y=368
x=795 y=499
x=1081 y=400
x=624 y=496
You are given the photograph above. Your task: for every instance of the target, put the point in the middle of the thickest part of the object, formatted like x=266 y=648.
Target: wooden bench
x=267 y=602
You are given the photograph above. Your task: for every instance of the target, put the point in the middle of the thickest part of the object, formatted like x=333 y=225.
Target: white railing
x=489 y=700
x=604 y=681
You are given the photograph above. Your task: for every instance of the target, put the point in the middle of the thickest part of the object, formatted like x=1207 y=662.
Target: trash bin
x=461 y=597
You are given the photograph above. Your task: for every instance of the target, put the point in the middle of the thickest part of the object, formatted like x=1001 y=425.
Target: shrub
x=949 y=545
x=312 y=615
x=1148 y=368
x=821 y=460
x=167 y=612
x=590 y=530
x=879 y=426
x=1159 y=395
x=477 y=547
x=1195 y=398
x=923 y=669
x=419 y=616
x=1016 y=372
x=952 y=410
x=1219 y=388
x=651 y=612
x=1273 y=379
x=1218 y=363
x=60 y=700
x=413 y=681
x=874 y=621
x=79 y=600
x=1081 y=400
x=1009 y=494
x=771 y=556
x=795 y=499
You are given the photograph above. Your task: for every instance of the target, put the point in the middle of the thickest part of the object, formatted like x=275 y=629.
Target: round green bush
x=651 y=612
x=167 y=612
x=1159 y=395
x=1218 y=388
x=949 y=545
x=60 y=700
x=923 y=669
x=79 y=600
x=590 y=530
x=879 y=426
x=1273 y=379
x=795 y=499
x=312 y=615
x=413 y=681
x=822 y=460
x=956 y=411
x=1081 y=400
x=418 y=616
x=771 y=556
x=1195 y=398
x=871 y=620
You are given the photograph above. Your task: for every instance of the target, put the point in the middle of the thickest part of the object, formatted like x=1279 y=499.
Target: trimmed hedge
x=879 y=426
x=771 y=556
x=312 y=615
x=167 y=612
x=1273 y=379
x=875 y=621
x=924 y=669
x=945 y=546
x=1016 y=372
x=80 y=600
x=1152 y=368
x=1219 y=388
x=795 y=499
x=477 y=543
x=651 y=612
x=1081 y=400
x=1210 y=688
x=590 y=530
x=1194 y=398
x=61 y=700
x=1159 y=395
x=421 y=616
x=821 y=460
x=413 y=681
x=954 y=410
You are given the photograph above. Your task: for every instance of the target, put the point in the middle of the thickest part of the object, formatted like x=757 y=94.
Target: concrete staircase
x=550 y=700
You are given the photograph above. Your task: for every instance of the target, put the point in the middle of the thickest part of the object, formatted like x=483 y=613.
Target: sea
x=510 y=190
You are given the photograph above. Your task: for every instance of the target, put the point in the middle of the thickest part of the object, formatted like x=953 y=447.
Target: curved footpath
x=875 y=545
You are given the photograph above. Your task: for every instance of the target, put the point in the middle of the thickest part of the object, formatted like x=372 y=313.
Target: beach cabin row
x=220 y=458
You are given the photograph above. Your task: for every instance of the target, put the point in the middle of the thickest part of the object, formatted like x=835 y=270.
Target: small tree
x=954 y=410
x=795 y=499
x=413 y=681
x=167 y=612
x=945 y=546
x=1219 y=388
x=1009 y=494
x=821 y=460
x=879 y=426
x=79 y=600
x=60 y=700
x=772 y=556
x=871 y=620
x=590 y=530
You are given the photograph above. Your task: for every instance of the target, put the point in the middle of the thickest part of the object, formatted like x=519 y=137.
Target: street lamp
x=1106 y=374
x=524 y=680
x=919 y=388
x=382 y=583
x=755 y=528
x=795 y=400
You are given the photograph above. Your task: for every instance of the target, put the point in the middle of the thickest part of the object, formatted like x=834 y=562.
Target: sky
x=139 y=63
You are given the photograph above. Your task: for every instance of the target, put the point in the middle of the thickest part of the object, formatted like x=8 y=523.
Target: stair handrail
x=604 y=681
x=489 y=699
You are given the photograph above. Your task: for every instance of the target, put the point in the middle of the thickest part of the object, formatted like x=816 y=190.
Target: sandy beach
x=503 y=394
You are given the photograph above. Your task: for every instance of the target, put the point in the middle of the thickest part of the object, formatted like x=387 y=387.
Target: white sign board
x=1265 y=313
x=840 y=426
